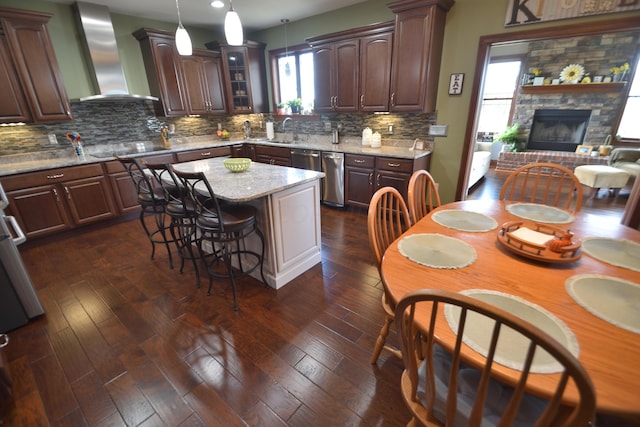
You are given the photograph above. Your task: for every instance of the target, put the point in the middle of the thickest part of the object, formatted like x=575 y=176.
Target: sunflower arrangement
x=572 y=73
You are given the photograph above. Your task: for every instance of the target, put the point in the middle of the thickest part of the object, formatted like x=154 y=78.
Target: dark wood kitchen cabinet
x=375 y=71
x=164 y=71
x=245 y=76
x=205 y=153
x=58 y=199
x=336 y=76
x=203 y=82
x=364 y=175
x=31 y=86
x=417 y=48
x=352 y=69
x=280 y=156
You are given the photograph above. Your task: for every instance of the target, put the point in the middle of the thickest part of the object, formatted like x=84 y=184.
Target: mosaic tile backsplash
x=108 y=123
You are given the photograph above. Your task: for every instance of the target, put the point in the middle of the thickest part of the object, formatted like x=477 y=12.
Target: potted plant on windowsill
x=295 y=105
x=510 y=138
x=280 y=108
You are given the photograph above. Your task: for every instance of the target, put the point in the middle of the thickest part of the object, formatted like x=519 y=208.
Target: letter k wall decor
x=530 y=11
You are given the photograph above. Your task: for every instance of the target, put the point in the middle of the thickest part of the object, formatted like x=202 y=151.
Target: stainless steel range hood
x=100 y=44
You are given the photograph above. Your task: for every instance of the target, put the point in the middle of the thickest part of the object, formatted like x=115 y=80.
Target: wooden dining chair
x=441 y=388
x=387 y=219
x=546 y=183
x=423 y=195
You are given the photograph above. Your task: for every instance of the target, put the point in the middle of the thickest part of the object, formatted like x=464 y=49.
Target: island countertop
x=259 y=180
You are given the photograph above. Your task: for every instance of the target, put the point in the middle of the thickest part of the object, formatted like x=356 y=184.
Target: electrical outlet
x=52 y=138
x=390 y=128
x=327 y=126
x=438 y=130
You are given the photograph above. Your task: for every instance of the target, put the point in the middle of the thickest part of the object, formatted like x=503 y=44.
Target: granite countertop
x=10 y=165
x=258 y=181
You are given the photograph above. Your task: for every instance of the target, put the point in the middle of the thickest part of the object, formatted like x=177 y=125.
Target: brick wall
x=510 y=161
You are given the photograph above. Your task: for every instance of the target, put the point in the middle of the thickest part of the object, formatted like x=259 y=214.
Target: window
x=500 y=83
x=629 y=126
x=292 y=75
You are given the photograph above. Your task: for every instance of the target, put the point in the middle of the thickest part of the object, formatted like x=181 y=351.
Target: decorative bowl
x=237 y=164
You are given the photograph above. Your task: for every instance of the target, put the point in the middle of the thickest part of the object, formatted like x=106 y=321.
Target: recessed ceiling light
x=217 y=3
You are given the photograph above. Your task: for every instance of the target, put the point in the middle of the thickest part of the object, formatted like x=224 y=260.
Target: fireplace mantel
x=574 y=88
x=512 y=160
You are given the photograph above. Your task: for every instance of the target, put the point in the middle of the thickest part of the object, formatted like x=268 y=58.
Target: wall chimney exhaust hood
x=100 y=45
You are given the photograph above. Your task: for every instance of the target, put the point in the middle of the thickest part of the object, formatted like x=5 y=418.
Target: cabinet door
x=124 y=192
x=417 y=49
x=89 y=199
x=397 y=180
x=323 y=77
x=36 y=65
x=359 y=186
x=13 y=107
x=164 y=72
x=239 y=151
x=375 y=72
x=346 y=71
x=212 y=71
x=238 y=87
x=39 y=210
x=195 y=84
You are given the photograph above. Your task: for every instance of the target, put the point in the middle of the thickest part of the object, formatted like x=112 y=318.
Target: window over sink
x=292 y=75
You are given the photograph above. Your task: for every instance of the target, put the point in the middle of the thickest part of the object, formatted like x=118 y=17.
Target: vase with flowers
x=618 y=74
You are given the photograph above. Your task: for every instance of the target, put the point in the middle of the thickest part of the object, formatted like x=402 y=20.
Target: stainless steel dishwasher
x=333 y=168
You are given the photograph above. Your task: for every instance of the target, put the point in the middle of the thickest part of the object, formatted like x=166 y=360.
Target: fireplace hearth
x=558 y=130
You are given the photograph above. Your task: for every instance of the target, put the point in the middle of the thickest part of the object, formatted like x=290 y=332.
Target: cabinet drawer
x=50 y=176
x=358 y=161
x=268 y=150
x=393 y=164
x=204 y=153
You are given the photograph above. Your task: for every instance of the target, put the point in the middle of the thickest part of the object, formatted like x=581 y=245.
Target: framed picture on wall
x=455 y=83
x=584 y=150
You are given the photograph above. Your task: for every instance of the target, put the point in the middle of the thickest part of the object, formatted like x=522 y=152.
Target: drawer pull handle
x=58 y=175
x=358 y=161
x=393 y=165
x=208 y=153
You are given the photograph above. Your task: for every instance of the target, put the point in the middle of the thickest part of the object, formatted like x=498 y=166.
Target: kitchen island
x=288 y=202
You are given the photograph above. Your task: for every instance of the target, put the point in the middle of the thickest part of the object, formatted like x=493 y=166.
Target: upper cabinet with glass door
x=244 y=75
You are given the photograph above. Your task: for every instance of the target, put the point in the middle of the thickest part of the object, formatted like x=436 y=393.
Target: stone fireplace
x=558 y=130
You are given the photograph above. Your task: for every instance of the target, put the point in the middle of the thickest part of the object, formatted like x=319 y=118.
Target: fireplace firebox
x=558 y=130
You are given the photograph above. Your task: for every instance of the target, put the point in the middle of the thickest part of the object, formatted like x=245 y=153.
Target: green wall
x=466 y=22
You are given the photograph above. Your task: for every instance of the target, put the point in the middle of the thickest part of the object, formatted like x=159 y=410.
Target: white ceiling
x=254 y=14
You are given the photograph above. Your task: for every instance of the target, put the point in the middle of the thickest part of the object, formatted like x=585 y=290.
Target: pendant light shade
x=183 y=41
x=233 y=27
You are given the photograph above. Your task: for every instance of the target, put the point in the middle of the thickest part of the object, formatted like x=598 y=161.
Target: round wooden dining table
x=610 y=354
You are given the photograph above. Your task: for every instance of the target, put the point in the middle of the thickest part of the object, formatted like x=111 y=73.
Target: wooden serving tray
x=536 y=251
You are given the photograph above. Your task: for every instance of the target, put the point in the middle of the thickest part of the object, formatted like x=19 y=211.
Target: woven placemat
x=614 y=300
x=540 y=213
x=618 y=252
x=437 y=251
x=462 y=220
x=512 y=346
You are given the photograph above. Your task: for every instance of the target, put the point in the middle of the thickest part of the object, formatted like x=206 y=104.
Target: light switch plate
x=438 y=130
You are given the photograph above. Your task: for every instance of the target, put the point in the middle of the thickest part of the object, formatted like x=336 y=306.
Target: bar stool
x=151 y=199
x=182 y=214
x=225 y=228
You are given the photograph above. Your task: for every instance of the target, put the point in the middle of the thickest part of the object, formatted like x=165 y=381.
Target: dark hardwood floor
x=128 y=341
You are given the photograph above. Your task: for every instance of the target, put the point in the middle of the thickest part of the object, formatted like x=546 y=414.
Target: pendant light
x=287 y=67
x=183 y=41
x=233 y=27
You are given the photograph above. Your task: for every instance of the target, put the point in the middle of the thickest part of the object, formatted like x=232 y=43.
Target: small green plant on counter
x=510 y=137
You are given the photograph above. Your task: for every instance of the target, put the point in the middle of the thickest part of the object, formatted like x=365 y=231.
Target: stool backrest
x=198 y=193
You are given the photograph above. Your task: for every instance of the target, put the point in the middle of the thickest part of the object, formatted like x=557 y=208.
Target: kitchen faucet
x=284 y=128
x=247 y=129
